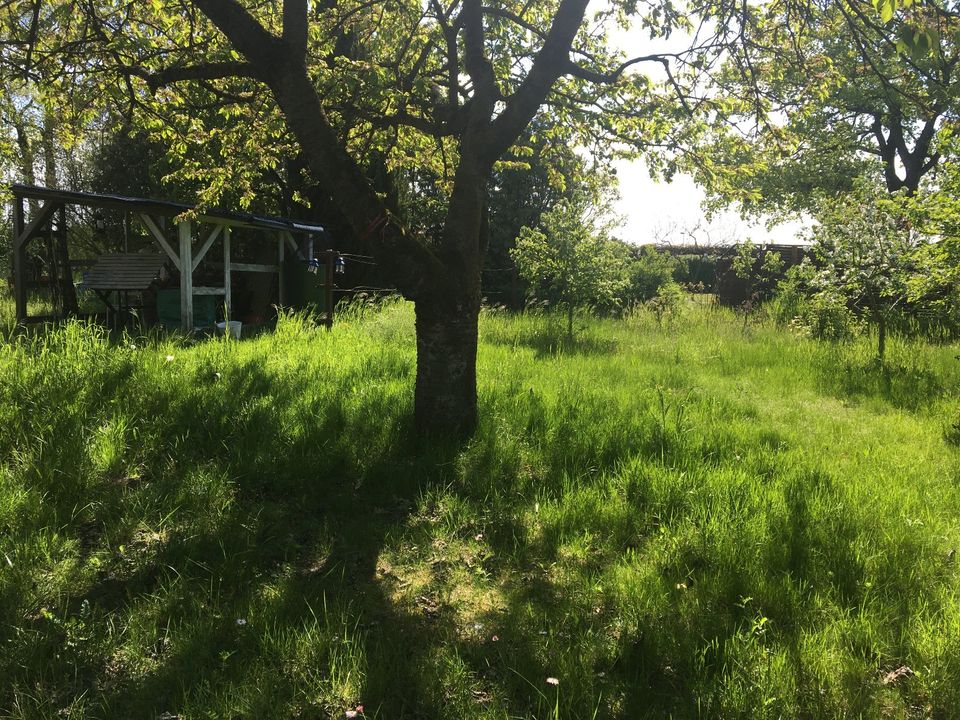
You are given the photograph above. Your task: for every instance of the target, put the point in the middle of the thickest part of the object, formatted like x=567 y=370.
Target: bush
x=648 y=271
x=667 y=303
x=697 y=269
x=823 y=315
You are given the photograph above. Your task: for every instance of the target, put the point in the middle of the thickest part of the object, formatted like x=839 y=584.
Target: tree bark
x=445 y=398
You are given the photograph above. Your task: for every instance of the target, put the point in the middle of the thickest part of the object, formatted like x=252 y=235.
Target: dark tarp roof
x=164 y=207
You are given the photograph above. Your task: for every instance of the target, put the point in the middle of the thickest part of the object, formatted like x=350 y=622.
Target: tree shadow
x=273 y=505
x=904 y=386
x=552 y=341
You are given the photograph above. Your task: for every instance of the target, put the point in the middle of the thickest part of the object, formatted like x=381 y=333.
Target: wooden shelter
x=120 y=273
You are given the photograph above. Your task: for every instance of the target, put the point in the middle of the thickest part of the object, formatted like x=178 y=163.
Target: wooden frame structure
x=186 y=257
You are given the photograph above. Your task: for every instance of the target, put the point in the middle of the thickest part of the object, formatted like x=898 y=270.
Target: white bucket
x=233 y=326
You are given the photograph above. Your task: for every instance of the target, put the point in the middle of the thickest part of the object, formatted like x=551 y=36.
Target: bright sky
x=659 y=212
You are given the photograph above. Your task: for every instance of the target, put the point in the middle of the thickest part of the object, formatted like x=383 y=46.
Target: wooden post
x=19 y=261
x=282 y=285
x=68 y=292
x=186 y=276
x=227 y=298
x=328 y=287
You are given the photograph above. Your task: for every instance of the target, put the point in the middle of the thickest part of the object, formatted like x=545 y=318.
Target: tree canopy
x=822 y=93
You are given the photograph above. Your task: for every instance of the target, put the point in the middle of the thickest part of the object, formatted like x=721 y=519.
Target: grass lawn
x=686 y=521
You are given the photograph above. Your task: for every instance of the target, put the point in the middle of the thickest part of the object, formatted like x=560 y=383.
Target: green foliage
x=697 y=271
x=865 y=249
x=667 y=303
x=521 y=192
x=680 y=524
x=571 y=261
x=823 y=315
x=823 y=93
x=649 y=271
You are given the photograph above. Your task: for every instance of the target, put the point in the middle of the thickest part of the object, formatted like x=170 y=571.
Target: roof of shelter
x=164 y=207
x=124 y=271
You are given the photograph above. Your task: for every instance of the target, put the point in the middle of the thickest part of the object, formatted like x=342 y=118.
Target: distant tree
x=667 y=302
x=571 y=258
x=544 y=169
x=865 y=250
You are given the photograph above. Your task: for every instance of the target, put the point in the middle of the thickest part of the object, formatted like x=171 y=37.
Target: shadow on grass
x=904 y=386
x=242 y=574
x=550 y=339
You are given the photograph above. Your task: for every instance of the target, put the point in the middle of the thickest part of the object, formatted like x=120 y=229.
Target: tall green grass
x=686 y=521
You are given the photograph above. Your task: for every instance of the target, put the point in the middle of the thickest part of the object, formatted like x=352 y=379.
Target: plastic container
x=232 y=326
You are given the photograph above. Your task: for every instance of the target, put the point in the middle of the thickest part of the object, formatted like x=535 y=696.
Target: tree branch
x=205 y=71
x=295 y=27
x=244 y=32
x=478 y=65
x=548 y=65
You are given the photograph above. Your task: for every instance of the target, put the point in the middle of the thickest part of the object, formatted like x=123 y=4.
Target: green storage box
x=303 y=288
x=168 y=309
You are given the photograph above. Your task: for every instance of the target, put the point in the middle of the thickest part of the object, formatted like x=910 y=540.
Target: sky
x=660 y=212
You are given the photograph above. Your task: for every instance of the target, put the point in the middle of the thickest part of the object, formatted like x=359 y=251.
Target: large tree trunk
x=445 y=398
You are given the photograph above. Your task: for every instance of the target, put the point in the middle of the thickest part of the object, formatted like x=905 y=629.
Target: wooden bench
x=123 y=273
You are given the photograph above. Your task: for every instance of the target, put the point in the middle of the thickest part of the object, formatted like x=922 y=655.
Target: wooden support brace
x=157 y=234
x=43 y=216
x=288 y=237
x=206 y=245
x=22 y=232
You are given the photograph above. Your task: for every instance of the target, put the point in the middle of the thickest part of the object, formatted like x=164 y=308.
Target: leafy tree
x=385 y=104
x=648 y=270
x=865 y=252
x=667 y=302
x=570 y=259
x=825 y=92
x=544 y=170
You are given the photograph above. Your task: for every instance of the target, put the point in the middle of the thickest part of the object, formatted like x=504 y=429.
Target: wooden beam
x=19 y=262
x=253 y=267
x=331 y=260
x=206 y=245
x=227 y=297
x=68 y=292
x=157 y=234
x=203 y=290
x=288 y=236
x=43 y=215
x=186 y=275
x=162 y=208
x=282 y=286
